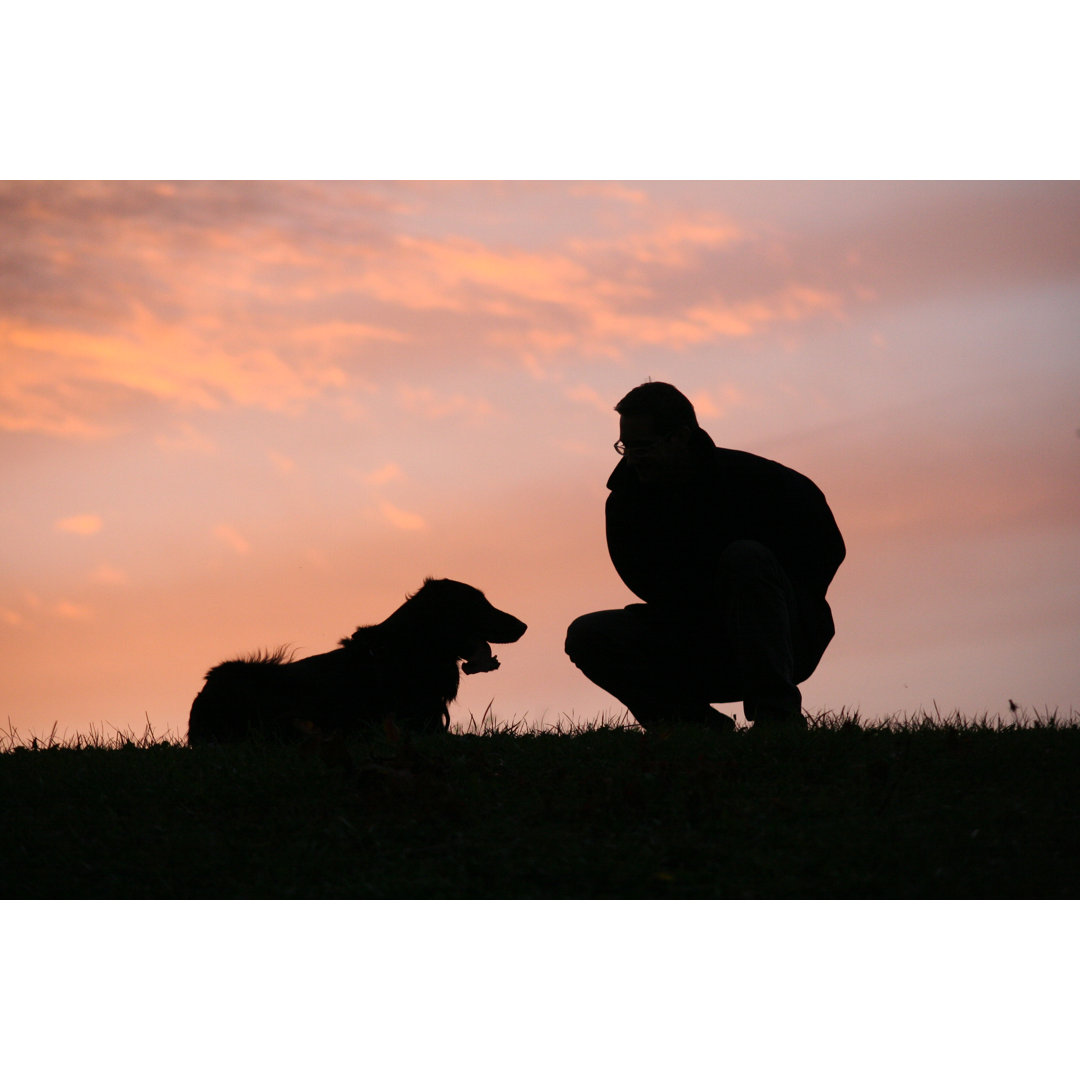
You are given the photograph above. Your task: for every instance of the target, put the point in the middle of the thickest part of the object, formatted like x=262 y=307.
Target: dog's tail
x=283 y=654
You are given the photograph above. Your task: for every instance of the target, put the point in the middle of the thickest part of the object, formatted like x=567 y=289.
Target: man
x=732 y=555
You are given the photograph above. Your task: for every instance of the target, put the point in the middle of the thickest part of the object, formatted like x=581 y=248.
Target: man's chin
x=649 y=474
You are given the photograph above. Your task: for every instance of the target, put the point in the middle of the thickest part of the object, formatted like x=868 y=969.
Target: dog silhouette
x=404 y=669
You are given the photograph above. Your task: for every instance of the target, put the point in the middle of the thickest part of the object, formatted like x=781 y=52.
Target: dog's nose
x=509 y=629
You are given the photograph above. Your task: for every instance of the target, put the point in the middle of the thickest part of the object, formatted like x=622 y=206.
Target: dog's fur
x=404 y=669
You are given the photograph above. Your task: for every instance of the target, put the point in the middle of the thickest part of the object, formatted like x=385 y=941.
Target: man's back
x=663 y=540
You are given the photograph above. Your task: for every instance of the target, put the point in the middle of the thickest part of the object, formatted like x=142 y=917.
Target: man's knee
x=751 y=577
x=748 y=556
x=584 y=634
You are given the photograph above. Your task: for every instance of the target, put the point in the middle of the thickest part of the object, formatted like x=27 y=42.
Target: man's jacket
x=665 y=541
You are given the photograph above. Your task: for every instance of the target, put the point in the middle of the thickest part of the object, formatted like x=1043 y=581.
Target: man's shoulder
x=724 y=455
x=740 y=467
x=745 y=463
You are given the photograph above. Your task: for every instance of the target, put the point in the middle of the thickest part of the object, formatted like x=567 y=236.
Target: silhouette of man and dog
x=730 y=555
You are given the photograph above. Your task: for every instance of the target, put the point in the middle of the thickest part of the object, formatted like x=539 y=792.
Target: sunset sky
x=239 y=415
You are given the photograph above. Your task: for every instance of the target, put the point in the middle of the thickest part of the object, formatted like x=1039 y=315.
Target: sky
x=235 y=415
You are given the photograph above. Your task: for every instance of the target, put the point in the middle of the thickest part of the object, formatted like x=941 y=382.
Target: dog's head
x=472 y=624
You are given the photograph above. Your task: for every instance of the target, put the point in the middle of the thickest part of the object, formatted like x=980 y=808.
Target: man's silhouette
x=732 y=555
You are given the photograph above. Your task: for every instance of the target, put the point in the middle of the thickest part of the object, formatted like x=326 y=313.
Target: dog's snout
x=508 y=629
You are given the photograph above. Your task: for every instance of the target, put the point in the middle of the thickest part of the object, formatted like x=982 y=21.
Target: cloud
x=378 y=477
x=948 y=238
x=273 y=296
x=795 y=303
x=10 y=618
x=80 y=524
x=106 y=574
x=49 y=371
x=601 y=297
x=402 y=519
x=427 y=402
x=973 y=477
x=337 y=335
x=231 y=536
x=675 y=241
x=186 y=439
x=599 y=189
x=714 y=405
x=281 y=462
x=586 y=395
x=74 y=612
x=194 y=294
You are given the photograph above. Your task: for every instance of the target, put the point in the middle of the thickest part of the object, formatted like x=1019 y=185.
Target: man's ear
x=680 y=437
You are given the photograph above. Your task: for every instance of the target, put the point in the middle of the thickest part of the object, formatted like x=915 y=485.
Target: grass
x=910 y=807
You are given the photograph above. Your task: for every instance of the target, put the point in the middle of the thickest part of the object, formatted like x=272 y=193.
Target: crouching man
x=732 y=555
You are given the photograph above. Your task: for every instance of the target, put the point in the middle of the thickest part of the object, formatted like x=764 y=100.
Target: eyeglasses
x=642 y=446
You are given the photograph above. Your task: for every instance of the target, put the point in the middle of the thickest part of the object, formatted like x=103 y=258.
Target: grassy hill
x=916 y=808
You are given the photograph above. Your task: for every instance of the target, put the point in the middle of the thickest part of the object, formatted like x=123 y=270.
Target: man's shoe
x=779 y=723
x=691 y=715
x=718 y=721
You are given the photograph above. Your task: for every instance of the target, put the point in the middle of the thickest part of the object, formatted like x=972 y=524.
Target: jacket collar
x=703 y=447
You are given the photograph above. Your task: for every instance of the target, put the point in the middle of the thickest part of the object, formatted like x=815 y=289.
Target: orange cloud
x=586 y=395
x=106 y=574
x=674 y=242
x=337 y=333
x=171 y=363
x=186 y=439
x=281 y=462
x=717 y=404
x=231 y=536
x=75 y=612
x=593 y=282
x=424 y=400
x=378 y=477
x=402 y=519
x=594 y=297
x=600 y=189
x=80 y=524
x=271 y=296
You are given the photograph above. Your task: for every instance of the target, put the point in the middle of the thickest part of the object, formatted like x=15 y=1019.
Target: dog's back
x=242 y=698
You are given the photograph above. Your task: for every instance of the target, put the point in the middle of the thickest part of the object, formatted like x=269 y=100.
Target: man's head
x=656 y=427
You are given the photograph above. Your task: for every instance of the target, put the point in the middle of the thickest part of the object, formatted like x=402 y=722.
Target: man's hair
x=669 y=408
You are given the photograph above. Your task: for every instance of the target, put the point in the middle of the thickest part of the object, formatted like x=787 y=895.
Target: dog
x=404 y=669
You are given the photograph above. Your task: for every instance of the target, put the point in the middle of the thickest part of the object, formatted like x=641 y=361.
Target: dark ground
x=926 y=811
